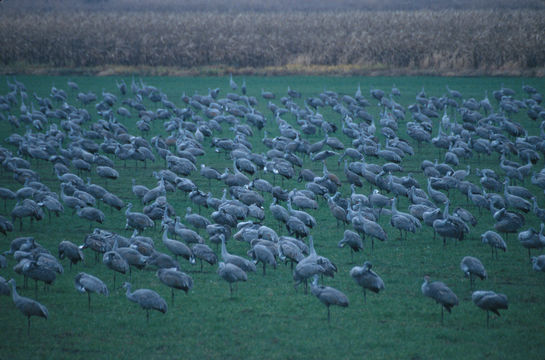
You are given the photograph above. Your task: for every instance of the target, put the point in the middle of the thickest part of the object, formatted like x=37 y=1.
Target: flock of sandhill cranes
x=373 y=151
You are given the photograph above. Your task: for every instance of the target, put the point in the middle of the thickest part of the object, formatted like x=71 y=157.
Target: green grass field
x=266 y=318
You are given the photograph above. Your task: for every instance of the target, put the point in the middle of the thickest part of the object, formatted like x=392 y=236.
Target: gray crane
x=114 y=261
x=231 y=273
x=113 y=201
x=137 y=220
x=328 y=296
x=86 y=283
x=4 y=287
x=261 y=253
x=196 y=220
x=176 y=247
x=289 y=250
x=367 y=278
x=91 y=214
x=71 y=251
x=163 y=261
x=27 y=306
x=239 y=261
x=203 y=252
x=515 y=201
x=531 y=239
x=304 y=270
x=210 y=173
x=139 y=190
x=107 y=172
x=441 y=293
x=489 y=301
x=353 y=240
x=147 y=299
x=279 y=212
x=471 y=266
x=495 y=241
x=538 y=263
x=175 y=279
x=38 y=271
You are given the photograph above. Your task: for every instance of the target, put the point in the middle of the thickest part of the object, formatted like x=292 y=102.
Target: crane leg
x=172 y=293
x=264 y=269
x=89 y=300
x=147 y=316
x=364 y=297
x=230 y=290
x=328 y=315
x=442 y=311
x=28 y=325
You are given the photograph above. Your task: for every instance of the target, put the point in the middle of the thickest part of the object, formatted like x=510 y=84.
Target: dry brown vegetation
x=447 y=41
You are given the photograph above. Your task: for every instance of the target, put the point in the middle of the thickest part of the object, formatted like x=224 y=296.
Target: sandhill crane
x=196 y=220
x=289 y=250
x=538 y=263
x=147 y=299
x=378 y=200
x=71 y=251
x=489 y=301
x=367 y=278
x=178 y=248
x=231 y=273
x=261 y=253
x=403 y=221
x=27 y=306
x=437 y=196
x=203 y=252
x=531 y=239
x=353 y=240
x=107 y=172
x=495 y=241
x=4 y=287
x=328 y=296
x=133 y=257
x=210 y=173
x=471 y=266
x=113 y=200
x=114 y=261
x=175 y=279
x=86 y=283
x=137 y=220
x=329 y=268
x=91 y=214
x=139 y=190
x=242 y=263
x=441 y=293
x=515 y=201
x=38 y=271
x=279 y=212
x=232 y=82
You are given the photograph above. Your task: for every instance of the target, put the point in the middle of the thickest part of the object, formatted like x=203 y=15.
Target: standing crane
x=27 y=306
x=86 y=283
x=147 y=299
x=175 y=279
x=231 y=273
x=328 y=296
x=495 y=241
x=239 y=261
x=441 y=293
x=71 y=251
x=489 y=301
x=367 y=278
x=471 y=266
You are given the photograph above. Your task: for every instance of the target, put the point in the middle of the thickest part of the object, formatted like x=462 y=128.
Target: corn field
x=448 y=41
